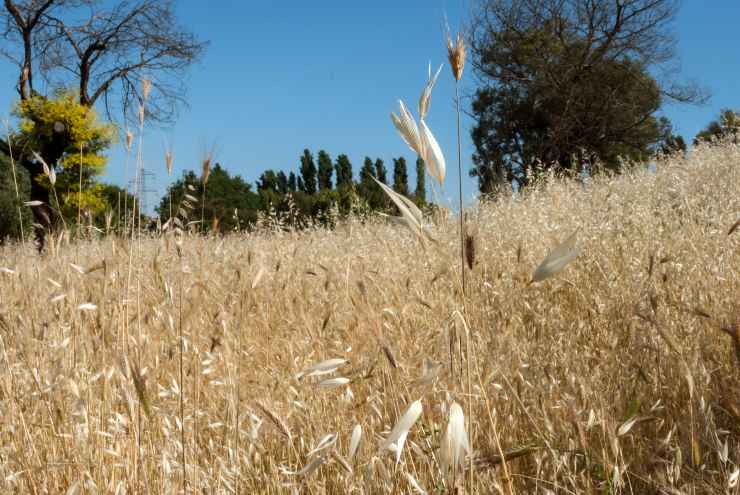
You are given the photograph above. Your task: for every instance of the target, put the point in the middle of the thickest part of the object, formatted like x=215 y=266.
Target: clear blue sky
x=282 y=76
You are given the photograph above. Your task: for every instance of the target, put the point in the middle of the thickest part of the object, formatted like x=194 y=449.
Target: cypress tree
x=380 y=172
x=282 y=182
x=421 y=191
x=325 y=170
x=308 y=173
x=344 y=172
x=400 y=176
x=292 y=186
x=367 y=184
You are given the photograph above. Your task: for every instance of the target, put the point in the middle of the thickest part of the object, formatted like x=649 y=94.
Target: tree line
x=227 y=201
x=320 y=188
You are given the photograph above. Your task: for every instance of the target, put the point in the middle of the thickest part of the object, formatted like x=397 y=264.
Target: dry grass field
x=618 y=375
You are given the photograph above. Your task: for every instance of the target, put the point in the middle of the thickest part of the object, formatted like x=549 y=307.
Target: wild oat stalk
x=168 y=161
x=205 y=174
x=456 y=56
x=136 y=235
x=52 y=176
x=129 y=145
x=79 y=201
x=136 y=224
x=181 y=350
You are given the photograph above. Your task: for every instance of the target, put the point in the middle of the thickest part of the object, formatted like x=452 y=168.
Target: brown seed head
x=129 y=139
x=206 y=172
x=146 y=87
x=456 y=55
x=470 y=250
x=168 y=160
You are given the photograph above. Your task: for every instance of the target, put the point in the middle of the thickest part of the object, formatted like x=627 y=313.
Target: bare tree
x=22 y=21
x=605 y=29
x=111 y=50
x=104 y=52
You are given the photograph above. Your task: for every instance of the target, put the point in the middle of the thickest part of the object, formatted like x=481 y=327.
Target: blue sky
x=282 y=76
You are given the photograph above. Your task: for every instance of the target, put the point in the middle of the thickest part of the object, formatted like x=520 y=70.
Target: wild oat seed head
x=470 y=250
x=456 y=55
x=168 y=161
x=426 y=95
x=129 y=139
x=206 y=172
x=146 y=87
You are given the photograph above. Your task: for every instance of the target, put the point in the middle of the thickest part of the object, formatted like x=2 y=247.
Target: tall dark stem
x=459 y=176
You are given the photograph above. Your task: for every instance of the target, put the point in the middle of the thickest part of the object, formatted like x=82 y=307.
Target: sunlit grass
x=613 y=376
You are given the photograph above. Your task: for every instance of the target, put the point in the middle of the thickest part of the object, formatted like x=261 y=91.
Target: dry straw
x=544 y=360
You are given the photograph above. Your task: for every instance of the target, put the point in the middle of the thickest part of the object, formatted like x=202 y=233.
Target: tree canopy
x=727 y=125
x=569 y=83
x=230 y=204
x=14 y=215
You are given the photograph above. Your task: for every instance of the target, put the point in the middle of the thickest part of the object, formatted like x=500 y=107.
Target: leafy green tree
x=420 y=194
x=325 y=171
x=268 y=189
x=568 y=84
x=69 y=138
x=308 y=173
x=400 y=176
x=292 y=186
x=669 y=143
x=10 y=203
x=119 y=204
x=343 y=169
x=227 y=194
x=728 y=125
x=268 y=181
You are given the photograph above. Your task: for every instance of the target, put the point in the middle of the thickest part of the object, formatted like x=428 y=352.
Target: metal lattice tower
x=139 y=189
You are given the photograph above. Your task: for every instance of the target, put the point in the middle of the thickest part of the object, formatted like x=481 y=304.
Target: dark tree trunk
x=43 y=214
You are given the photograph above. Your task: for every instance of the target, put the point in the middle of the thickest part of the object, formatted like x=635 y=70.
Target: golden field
x=618 y=375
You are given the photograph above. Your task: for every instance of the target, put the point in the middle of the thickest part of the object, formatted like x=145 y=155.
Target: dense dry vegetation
x=619 y=375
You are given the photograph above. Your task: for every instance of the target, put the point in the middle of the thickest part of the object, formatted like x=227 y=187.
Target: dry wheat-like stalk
x=276 y=420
